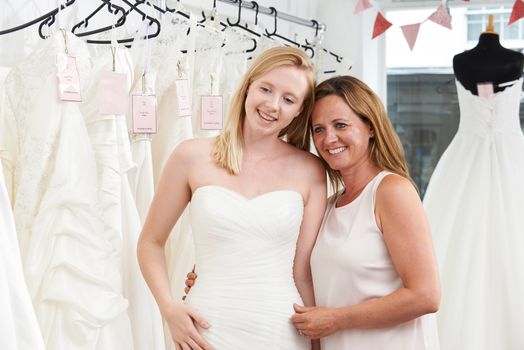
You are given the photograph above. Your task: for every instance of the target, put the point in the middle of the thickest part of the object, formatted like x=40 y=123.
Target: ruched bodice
x=244 y=256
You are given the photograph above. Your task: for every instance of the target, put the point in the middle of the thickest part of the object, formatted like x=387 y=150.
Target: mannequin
x=488 y=62
x=474 y=205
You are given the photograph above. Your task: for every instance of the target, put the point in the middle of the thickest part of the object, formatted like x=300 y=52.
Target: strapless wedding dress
x=244 y=256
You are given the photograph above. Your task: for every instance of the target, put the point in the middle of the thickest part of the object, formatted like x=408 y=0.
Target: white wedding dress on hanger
x=474 y=202
x=171 y=63
x=109 y=137
x=18 y=325
x=71 y=267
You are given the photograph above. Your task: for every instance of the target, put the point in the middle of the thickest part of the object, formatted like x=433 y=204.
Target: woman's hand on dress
x=314 y=322
x=181 y=320
x=190 y=281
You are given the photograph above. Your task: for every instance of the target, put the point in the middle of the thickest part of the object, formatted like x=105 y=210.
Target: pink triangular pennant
x=362 y=5
x=517 y=12
x=441 y=16
x=410 y=33
x=380 y=26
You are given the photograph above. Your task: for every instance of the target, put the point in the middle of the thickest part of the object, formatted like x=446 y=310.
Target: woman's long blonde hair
x=227 y=150
x=385 y=148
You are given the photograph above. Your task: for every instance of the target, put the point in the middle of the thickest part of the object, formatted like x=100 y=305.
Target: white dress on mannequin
x=475 y=203
x=244 y=257
x=72 y=271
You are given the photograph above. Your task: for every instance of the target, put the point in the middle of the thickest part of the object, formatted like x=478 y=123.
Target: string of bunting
x=440 y=16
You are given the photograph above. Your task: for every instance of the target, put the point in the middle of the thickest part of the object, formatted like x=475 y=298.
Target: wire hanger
x=244 y=28
x=121 y=20
x=275 y=34
x=239 y=17
x=318 y=33
x=212 y=17
x=132 y=7
x=45 y=17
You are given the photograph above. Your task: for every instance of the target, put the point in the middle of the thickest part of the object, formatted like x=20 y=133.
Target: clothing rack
x=250 y=5
x=270 y=11
x=49 y=18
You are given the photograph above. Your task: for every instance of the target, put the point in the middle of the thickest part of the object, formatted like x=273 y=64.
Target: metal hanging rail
x=252 y=5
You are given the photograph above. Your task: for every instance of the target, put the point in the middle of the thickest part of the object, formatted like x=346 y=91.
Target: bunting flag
x=441 y=16
x=517 y=12
x=380 y=26
x=410 y=32
x=362 y=5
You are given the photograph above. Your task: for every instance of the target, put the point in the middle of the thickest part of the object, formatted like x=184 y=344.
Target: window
x=477 y=22
x=422 y=100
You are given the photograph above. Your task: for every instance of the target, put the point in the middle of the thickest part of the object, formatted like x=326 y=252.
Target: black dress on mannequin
x=488 y=62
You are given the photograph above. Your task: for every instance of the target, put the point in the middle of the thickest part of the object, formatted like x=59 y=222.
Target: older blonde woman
x=374 y=270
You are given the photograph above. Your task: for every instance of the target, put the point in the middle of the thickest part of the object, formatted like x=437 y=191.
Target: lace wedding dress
x=72 y=269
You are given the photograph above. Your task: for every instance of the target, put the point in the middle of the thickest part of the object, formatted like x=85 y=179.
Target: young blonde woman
x=256 y=200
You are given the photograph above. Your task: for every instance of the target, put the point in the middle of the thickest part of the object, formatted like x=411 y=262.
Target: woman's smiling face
x=340 y=135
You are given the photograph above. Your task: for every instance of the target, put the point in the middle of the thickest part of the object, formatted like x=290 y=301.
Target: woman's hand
x=314 y=322
x=190 y=281
x=181 y=321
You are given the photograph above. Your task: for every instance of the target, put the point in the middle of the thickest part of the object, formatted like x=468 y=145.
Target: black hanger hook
x=255 y=6
x=273 y=11
x=317 y=26
x=238 y=15
x=47 y=22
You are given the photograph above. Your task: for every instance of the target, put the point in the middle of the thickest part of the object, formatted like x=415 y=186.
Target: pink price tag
x=211 y=112
x=183 y=97
x=68 y=78
x=112 y=93
x=144 y=114
x=485 y=90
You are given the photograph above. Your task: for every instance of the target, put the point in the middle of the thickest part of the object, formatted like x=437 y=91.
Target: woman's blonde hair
x=385 y=148
x=227 y=150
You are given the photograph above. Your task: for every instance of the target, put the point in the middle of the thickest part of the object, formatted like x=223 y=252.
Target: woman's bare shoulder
x=191 y=150
x=307 y=165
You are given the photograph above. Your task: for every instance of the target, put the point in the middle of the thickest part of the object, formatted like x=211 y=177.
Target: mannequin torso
x=487 y=62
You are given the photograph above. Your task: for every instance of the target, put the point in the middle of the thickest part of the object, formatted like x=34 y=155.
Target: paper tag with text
x=144 y=114
x=211 y=112
x=485 y=90
x=183 y=96
x=112 y=93
x=68 y=78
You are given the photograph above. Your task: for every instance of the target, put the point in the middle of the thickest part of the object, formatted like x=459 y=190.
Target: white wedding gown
x=244 y=257
x=72 y=269
x=475 y=205
x=110 y=141
x=18 y=325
